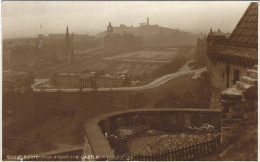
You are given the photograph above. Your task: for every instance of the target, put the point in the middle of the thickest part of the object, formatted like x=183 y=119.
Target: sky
x=28 y=19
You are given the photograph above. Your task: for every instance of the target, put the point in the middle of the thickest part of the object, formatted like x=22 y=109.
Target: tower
x=67 y=45
x=211 y=32
x=147 y=21
x=109 y=29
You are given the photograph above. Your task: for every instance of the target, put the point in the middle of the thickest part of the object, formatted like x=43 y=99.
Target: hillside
x=156 y=36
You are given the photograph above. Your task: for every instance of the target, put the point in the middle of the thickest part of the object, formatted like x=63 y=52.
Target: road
x=184 y=71
x=133 y=60
x=39 y=81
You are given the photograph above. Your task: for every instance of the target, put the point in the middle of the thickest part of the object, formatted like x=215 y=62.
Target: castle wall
x=240 y=106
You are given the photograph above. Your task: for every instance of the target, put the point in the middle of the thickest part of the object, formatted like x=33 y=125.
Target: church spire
x=67 y=44
x=67 y=30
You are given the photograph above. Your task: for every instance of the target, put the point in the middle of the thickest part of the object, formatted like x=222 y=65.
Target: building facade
x=84 y=79
x=110 y=81
x=230 y=58
x=72 y=80
x=89 y=79
x=119 y=42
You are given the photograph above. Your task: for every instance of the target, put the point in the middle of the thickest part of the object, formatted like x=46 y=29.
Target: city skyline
x=93 y=17
x=160 y=80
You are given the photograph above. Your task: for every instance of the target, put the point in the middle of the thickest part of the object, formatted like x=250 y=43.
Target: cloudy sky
x=27 y=19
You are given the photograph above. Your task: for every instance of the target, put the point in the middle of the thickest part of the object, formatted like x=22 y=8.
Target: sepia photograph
x=129 y=80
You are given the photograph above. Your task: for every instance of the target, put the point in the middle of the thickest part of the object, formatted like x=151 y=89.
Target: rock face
x=239 y=105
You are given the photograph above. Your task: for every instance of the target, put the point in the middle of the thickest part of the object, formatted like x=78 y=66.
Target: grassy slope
x=177 y=85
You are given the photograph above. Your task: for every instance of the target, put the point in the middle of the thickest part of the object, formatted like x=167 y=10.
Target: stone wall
x=219 y=80
x=239 y=106
x=87 y=150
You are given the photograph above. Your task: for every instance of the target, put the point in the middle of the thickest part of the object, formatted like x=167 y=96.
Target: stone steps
x=249 y=80
x=252 y=73
x=243 y=86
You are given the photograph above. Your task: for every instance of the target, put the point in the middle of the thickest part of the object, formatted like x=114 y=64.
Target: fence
x=191 y=152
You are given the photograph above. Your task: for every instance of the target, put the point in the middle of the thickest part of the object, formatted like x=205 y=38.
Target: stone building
x=230 y=58
x=72 y=80
x=119 y=42
x=84 y=79
x=17 y=81
x=89 y=79
x=113 y=81
x=201 y=49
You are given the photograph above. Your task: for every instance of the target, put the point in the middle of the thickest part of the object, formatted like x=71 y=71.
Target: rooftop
x=246 y=31
x=215 y=33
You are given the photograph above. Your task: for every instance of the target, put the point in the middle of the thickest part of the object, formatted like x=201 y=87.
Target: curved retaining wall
x=97 y=146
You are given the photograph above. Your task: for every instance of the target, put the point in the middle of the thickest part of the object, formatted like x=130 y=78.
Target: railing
x=191 y=152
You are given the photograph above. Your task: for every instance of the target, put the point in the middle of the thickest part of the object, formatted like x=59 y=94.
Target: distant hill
x=154 y=35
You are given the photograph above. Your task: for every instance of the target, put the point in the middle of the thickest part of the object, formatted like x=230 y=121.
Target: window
x=235 y=76
x=227 y=72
